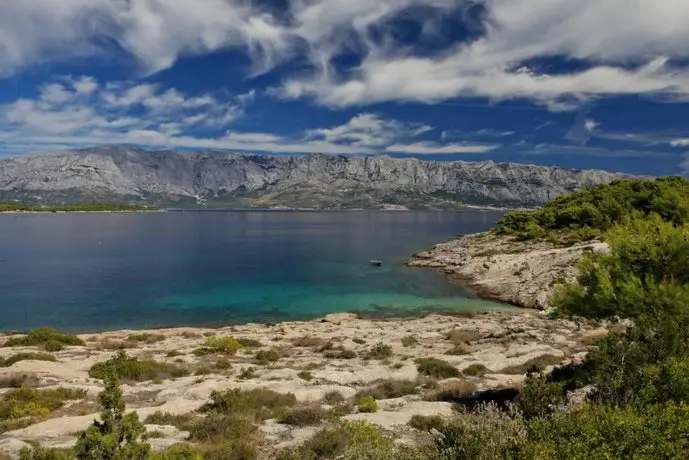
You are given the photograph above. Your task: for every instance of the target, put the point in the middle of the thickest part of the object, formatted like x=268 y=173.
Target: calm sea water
x=88 y=272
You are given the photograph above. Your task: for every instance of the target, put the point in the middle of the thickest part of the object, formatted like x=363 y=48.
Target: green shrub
x=603 y=432
x=249 y=343
x=308 y=341
x=487 y=434
x=426 y=422
x=367 y=404
x=475 y=370
x=217 y=344
x=303 y=416
x=31 y=402
x=53 y=345
x=305 y=375
x=380 y=351
x=222 y=428
x=178 y=452
x=457 y=350
x=19 y=380
x=340 y=353
x=247 y=373
x=463 y=336
x=451 y=391
x=41 y=336
x=333 y=398
x=391 y=389
x=43 y=453
x=222 y=364
x=437 y=368
x=260 y=403
x=146 y=337
x=131 y=369
x=265 y=356
x=7 y=362
x=539 y=397
x=119 y=435
x=537 y=364
x=181 y=421
x=409 y=341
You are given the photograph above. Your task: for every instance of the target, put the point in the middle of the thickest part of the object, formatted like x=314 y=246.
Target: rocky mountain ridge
x=214 y=179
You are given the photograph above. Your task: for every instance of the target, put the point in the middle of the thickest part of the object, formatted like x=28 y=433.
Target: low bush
x=451 y=391
x=340 y=353
x=18 y=381
x=219 y=344
x=222 y=364
x=247 y=373
x=249 y=343
x=436 y=368
x=463 y=336
x=303 y=416
x=475 y=370
x=41 y=336
x=426 y=422
x=178 y=452
x=537 y=364
x=539 y=397
x=7 y=362
x=390 y=389
x=347 y=441
x=308 y=341
x=333 y=398
x=45 y=453
x=53 y=345
x=305 y=375
x=266 y=356
x=30 y=402
x=146 y=338
x=409 y=341
x=380 y=351
x=457 y=350
x=367 y=404
x=131 y=369
x=221 y=427
x=181 y=421
x=259 y=403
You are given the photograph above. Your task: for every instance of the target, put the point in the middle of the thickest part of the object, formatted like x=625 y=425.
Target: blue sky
x=584 y=84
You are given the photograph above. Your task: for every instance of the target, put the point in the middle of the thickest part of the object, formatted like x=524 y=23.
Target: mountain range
x=315 y=181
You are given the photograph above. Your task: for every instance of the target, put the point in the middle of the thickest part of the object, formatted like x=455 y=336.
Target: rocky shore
x=339 y=355
x=499 y=267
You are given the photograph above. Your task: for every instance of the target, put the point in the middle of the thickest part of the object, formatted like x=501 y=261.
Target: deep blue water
x=88 y=272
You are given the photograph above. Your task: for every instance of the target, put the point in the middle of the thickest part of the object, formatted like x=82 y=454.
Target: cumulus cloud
x=80 y=112
x=625 y=47
x=680 y=143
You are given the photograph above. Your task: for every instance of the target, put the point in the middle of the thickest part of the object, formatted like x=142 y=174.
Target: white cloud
x=680 y=143
x=432 y=148
x=148 y=115
x=626 y=44
x=369 y=130
x=590 y=125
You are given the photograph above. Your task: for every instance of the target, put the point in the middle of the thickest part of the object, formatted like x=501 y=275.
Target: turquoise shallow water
x=87 y=272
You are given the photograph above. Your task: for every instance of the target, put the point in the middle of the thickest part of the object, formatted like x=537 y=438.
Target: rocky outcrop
x=303 y=181
x=498 y=267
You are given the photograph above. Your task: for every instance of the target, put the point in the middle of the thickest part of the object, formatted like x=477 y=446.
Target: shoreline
x=500 y=268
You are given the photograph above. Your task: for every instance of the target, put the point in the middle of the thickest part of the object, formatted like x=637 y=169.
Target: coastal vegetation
x=46 y=337
x=628 y=398
x=131 y=369
x=85 y=207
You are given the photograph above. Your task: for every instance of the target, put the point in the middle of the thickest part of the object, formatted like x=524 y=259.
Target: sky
x=581 y=84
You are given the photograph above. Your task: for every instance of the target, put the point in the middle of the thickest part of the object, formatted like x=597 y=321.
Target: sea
x=88 y=272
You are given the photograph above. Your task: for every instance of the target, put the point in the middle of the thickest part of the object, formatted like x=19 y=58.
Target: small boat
x=376 y=263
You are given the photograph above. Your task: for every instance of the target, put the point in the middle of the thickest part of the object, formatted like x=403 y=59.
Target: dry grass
x=451 y=390
x=308 y=341
x=390 y=389
x=538 y=363
x=19 y=380
x=475 y=370
x=460 y=336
